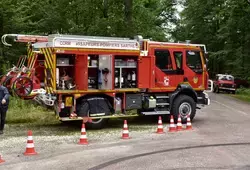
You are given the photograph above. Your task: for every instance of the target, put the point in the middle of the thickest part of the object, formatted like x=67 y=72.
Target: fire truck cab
x=104 y=77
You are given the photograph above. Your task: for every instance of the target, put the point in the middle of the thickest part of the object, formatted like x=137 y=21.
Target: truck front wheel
x=184 y=105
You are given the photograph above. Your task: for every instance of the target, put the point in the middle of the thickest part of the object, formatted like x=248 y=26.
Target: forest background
x=222 y=25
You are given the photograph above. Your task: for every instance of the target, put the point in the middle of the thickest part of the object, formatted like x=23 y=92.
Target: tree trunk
x=128 y=17
x=105 y=8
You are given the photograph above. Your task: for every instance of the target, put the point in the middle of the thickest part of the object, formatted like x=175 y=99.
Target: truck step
x=156 y=113
x=162 y=104
x=161 y=97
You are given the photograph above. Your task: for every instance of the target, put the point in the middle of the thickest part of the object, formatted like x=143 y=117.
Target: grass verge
x=21 y=111
x=242 y=94
x=242 y=97
x=24 y=115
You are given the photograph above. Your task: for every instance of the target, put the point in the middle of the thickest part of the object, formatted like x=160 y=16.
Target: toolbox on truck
x=133 y=101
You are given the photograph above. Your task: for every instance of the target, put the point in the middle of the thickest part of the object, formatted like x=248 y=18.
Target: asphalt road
x=220 y=140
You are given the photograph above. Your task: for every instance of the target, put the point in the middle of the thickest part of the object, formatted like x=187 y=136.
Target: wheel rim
x=185 y=109
x=23 y=86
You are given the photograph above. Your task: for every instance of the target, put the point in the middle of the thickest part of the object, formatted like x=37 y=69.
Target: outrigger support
x=23 y=38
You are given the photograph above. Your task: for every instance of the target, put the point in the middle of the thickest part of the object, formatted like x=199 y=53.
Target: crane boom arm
x=23 y=38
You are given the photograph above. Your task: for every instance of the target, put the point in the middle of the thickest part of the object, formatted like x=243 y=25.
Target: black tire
x=180 y=105
x=214 y=88
x=96 y=123
x=217 y=90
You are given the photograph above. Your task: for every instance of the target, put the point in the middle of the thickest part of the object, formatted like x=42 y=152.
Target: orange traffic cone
x=1 y=160
x=172 y=127
x=179 y=124
x=189 y=125
x=125 y=132
x=30 y=148
x=160 y=126
x=83 y=138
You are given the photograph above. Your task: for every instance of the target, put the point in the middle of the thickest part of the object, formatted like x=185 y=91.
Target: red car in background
x=224 y=82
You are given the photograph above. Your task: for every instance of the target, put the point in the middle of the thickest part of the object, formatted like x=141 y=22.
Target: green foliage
x=224 y=26
x=245 y=98
x=242 y=94
x=128 y=18
x=21 y=111
x=243 y=91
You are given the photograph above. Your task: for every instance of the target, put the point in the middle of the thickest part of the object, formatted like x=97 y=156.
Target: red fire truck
x=89 y=77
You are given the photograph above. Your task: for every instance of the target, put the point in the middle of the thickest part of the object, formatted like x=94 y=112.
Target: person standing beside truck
x=4 y=103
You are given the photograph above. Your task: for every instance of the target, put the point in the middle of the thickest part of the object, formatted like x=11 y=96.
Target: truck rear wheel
x=101 y=106
x=97 y=123
x=184 y=105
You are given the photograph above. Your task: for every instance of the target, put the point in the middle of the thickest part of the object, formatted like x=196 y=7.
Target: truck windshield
x=228 y=78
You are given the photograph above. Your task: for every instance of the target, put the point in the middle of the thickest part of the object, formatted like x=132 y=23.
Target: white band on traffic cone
x=30 y=145
x=160 y=126
x=172 y=125
x=125 y=131
x=30 y=138
x=83 y=136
